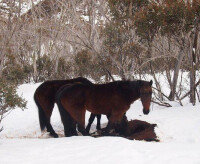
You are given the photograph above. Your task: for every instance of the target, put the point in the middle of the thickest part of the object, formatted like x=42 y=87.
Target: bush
x=15 y=72
x=9 y=99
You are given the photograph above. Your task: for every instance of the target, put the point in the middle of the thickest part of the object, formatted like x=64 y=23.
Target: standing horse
x=112 y=99
x=45 y=97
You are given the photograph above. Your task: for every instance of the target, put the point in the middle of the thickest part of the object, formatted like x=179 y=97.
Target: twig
x=1 y=129
x=197 y=95
x=109 y=74
x=190 y=91
x=162 y=104
x=161 y=92
x=179 y=100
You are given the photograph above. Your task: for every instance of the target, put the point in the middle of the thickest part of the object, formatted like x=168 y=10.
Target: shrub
x=9 y=99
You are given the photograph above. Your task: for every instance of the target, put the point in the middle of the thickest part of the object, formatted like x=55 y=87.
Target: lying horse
x=141 y=130
x=45 y=99
x=112 y=99
x=134 y=130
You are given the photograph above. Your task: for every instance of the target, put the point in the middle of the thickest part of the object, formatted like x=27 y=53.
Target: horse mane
x=136 y=84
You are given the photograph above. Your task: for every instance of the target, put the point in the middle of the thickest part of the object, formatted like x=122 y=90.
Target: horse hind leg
x=72 y=127
x=90 y=121
x=51 y=130
x=45 y=110
x=82 y=129
x=67 y=121
x=79 y=117
x=48 y=123
x=98 y=127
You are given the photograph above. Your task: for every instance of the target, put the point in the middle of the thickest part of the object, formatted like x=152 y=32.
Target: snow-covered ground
x=21 y=141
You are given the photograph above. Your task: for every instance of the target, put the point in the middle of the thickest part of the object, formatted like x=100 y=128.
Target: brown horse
x=45 y=97
x=112 y=99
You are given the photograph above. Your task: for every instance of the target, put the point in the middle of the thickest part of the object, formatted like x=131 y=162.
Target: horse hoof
x=54 y=135
x=104 y=133
x=99 y=132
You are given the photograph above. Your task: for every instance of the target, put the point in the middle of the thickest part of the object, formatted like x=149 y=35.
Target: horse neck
x=134 y=91
x=129 y=89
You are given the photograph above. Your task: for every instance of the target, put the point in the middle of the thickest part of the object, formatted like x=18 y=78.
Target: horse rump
x=68 y=122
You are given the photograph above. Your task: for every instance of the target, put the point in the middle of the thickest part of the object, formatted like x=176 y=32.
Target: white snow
x=178 y=128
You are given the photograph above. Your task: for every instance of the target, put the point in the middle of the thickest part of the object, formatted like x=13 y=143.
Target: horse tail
x=42 y=117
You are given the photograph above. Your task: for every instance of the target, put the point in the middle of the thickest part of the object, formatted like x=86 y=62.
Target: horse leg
x=66 y=126
x=79 y=117
x=114 y=119
x=108 y=117
x=91 y=119
x=48 y=112
x=122 y=126
x=66 y=120
x=45 y=108
x=73 y=128
x=51 y=130
x=81 y=128
x=98 y=127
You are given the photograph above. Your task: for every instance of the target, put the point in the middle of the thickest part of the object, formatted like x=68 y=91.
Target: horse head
x=145 y=95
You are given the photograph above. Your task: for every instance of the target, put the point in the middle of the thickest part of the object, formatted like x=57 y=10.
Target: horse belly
x=100 y=101
x=98 y=108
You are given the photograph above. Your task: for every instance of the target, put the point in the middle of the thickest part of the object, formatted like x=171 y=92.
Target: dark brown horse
x=112 y=99
x=45 y=99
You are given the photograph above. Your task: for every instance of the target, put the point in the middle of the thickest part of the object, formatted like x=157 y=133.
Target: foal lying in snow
x=134 y=130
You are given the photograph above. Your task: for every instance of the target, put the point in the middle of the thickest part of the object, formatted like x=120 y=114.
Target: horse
x=45 y=98
x=112 y=99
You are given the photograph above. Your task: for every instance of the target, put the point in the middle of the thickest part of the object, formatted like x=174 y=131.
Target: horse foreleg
x=122 y=125
x=109 y=126
x=114 y=119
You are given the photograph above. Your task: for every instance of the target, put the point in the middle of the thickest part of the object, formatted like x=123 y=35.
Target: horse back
x=48 y=89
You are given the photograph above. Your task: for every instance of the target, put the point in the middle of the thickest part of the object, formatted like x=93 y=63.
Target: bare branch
x=162 y=104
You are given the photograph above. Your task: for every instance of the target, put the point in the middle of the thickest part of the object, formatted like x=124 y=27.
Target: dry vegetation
x=58 y=39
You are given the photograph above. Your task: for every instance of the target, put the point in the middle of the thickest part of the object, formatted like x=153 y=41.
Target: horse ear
x=151 y=82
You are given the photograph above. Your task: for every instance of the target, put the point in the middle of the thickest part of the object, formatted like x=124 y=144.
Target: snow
x=96 y=150
x=178 y=128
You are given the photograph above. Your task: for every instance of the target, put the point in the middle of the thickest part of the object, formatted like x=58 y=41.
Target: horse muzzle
x=146 y=111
